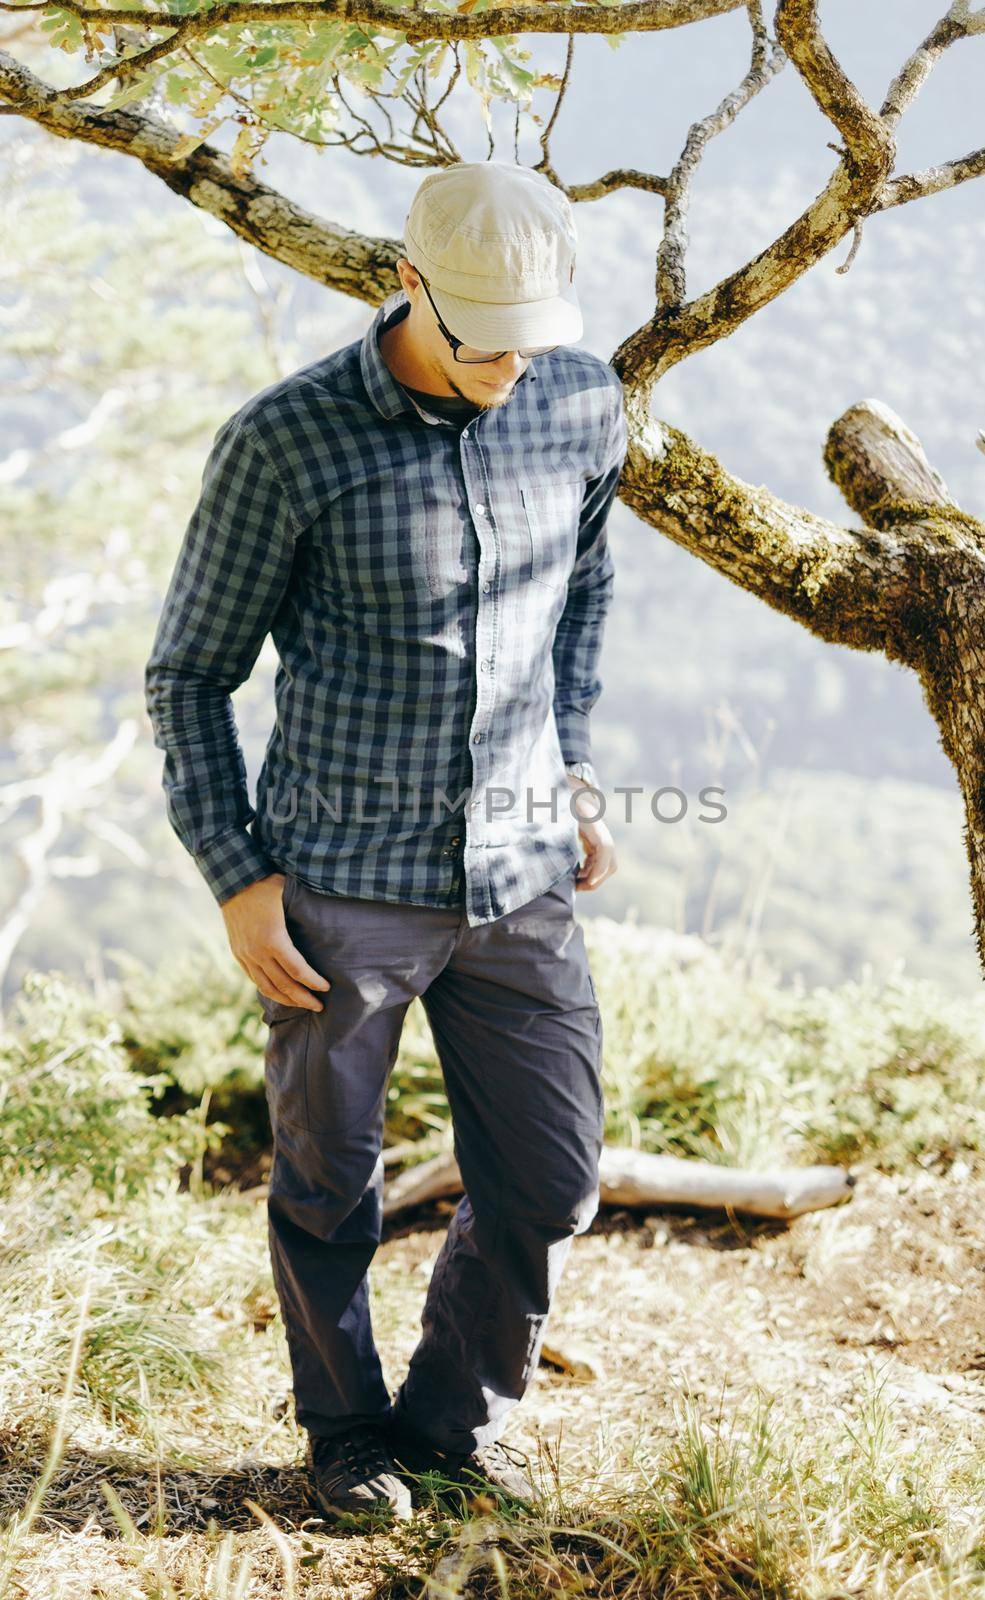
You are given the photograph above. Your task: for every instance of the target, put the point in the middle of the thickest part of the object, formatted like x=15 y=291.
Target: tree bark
x=881 y=469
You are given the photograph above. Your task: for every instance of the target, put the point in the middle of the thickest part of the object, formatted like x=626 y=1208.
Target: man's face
x=486 y=383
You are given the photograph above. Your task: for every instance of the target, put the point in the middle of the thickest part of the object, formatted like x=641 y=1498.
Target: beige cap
x=496 y=243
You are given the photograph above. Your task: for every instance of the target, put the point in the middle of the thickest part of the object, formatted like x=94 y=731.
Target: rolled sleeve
x=231 y=577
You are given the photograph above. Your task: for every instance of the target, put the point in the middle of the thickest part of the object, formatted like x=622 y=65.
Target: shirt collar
x=388 y=396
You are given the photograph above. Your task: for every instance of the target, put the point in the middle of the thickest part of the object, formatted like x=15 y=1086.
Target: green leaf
x=415 y=60
x=132 y=90
x=435 y=64
x=224 y=60
x=65 y=30
x=177 y=90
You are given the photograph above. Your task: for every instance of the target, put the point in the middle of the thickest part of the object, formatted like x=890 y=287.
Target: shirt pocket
x=390 y=545
x=551 y=511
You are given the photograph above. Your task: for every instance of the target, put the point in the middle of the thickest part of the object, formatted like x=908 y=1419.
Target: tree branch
x=637 y=16
x=880 y=467
x=882 y=470
x=959 y=22
x=869 y=145
x=337 y=257
x=764 y=65
x=843 y=584
x=618 y=178
x=676 y=332
x=917 y=185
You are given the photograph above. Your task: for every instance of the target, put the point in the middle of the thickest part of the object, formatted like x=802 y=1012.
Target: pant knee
x=534 y=1226
x=559 y=1199
x=330 y=1192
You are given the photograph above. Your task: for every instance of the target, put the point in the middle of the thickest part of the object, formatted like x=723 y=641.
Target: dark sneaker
x=355 y=1474
x=493 y=1467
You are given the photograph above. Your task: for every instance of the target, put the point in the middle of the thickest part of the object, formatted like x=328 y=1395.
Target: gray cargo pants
x=513 y=1012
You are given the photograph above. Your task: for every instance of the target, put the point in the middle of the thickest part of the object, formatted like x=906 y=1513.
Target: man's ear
x=411 y=272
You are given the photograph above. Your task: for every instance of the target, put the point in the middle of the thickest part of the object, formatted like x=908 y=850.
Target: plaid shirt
x=436 y=595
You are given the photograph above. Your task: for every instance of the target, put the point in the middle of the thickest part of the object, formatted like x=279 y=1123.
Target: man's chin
x=493 y=397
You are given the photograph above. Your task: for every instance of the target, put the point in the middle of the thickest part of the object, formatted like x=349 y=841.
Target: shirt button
x=477 y=738
x=479 y=509
x=486 y=664
x=486 y=587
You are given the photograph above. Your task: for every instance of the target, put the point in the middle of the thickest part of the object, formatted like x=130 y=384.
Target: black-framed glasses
x=470 y=356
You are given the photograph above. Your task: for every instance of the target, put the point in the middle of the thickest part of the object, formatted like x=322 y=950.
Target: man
x=419 y=521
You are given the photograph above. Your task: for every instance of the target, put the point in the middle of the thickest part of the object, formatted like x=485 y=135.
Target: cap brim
x=556 y=320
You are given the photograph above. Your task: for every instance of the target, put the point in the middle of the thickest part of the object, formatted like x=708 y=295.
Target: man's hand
x=599 y=846
x=259 y=940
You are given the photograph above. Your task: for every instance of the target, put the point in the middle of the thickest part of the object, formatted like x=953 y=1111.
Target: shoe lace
x=505 y=1454
x=362 y=1450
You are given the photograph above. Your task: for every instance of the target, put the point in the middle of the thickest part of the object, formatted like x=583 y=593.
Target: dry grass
x=789 y=1411
x=784 y=1411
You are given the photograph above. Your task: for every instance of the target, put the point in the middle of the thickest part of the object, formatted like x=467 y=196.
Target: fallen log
x=637 y=1178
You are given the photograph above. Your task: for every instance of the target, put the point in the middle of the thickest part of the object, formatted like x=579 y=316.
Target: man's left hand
x=599 y=846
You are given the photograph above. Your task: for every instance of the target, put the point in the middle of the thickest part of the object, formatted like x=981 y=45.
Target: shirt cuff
x=231 y=862
x=573 y=734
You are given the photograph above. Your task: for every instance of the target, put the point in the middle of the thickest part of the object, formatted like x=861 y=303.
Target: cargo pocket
x=285 y=1061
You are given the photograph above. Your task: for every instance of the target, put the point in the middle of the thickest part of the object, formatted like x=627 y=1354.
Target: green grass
x=737 y=1508
x=701 y=1059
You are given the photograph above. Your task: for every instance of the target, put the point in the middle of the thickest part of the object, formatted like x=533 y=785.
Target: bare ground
x=703 y=1305
x=664 y=1306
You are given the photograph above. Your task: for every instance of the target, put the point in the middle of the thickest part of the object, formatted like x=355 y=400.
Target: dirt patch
x=893 y=1281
